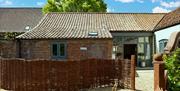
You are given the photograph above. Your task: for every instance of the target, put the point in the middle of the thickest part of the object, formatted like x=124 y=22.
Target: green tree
x=74 y=6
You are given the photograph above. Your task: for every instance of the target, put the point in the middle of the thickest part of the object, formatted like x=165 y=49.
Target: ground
x=145 y=81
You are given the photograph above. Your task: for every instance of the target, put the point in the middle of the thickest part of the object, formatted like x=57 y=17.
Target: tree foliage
x=173 y=67
x=74 y=6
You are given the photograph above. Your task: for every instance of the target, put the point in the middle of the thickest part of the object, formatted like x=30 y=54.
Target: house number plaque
x=83 y=48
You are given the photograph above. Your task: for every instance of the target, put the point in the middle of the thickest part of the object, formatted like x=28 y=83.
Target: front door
x=129 y=49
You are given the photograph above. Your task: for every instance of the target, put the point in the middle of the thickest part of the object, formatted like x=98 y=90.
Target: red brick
x=40 y=49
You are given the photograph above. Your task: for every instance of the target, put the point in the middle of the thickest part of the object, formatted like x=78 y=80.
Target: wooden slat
x=38 y=75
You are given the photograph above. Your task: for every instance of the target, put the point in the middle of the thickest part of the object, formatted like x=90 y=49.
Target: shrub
x=172 y=63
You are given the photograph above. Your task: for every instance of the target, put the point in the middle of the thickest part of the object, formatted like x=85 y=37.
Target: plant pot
x=143 y=64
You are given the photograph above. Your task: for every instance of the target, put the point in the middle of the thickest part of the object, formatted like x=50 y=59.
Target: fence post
x=159 y=81
x=133 y=72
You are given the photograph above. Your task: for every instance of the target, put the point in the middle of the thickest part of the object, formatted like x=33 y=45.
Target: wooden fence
x=48 y=75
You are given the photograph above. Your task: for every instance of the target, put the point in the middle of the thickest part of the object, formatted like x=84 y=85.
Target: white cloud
x=6 y=2
x=170 y=4
x=153 y=1
x=160 y=10
x=140 y=1
x=125 y=1
x=110 y=10
x=40 y=3
x=130 y=1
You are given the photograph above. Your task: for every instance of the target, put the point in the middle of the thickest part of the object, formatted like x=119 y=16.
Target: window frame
x=58 y=50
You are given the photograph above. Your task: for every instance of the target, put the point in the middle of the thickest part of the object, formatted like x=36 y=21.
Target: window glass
x=147 y=39
x=161 y=47
x=117 y=40
x=62 y=49
x=54 y=49
x=58 y=50
x=148 y=51
x=165 y=43
x=141 y=48
x=130 y=39
x=141 y=39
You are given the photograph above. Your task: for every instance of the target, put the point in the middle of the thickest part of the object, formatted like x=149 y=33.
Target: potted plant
x=143 y=63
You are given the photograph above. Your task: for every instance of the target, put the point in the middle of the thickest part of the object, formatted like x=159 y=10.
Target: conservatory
x=139 y=44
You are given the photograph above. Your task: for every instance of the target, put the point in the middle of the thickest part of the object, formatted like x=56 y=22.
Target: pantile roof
x=78 y=25
x=17 y=19
x=170 y=19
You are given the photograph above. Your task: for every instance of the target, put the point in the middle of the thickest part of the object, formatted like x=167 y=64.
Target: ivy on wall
x=11 y=35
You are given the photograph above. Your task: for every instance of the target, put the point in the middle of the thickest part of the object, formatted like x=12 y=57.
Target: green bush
x=172 y=63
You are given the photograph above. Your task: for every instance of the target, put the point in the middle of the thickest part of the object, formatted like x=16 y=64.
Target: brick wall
x=96 y=48
x=32 y=49
x=8 y=48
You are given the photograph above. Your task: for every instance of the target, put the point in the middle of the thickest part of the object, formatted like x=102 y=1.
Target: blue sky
x=136 y=6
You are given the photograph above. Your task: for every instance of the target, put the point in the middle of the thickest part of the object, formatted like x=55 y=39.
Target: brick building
x=56 y=38
x=83 y=35
x=94 y=35
x=16 y=20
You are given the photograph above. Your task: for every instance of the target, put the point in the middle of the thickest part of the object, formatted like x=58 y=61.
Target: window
x=147 y=39
x=59 y=50
x=165 y=43
x=141 y=39
x=162 y=45
x=117 y=40
x=54 y=50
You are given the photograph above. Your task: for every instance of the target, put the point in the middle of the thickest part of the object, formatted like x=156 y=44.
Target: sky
x=122 y=6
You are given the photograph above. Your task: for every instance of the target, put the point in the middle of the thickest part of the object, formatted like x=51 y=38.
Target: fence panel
x=48 y=75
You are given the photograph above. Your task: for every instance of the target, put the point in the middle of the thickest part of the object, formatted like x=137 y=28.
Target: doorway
x=130 y=49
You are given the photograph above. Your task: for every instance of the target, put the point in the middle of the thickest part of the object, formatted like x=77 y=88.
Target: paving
x=145 y=80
